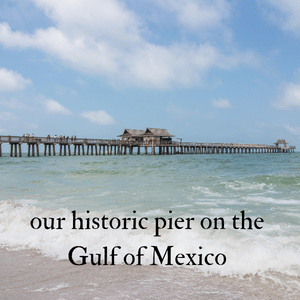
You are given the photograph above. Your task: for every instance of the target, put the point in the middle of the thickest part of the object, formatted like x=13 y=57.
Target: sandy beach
x=26 y=274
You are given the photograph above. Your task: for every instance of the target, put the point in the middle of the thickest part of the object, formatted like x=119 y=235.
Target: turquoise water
x=264 y=186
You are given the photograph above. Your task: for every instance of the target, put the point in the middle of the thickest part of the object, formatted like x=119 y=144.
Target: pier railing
x=115 y=146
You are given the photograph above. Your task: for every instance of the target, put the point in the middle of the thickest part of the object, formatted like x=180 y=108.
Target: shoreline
x=27 y=275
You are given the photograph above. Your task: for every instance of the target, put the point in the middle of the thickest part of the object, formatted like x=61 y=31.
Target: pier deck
x=84 y=146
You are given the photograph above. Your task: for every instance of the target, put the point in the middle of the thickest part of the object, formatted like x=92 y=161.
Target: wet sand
x=26 y=274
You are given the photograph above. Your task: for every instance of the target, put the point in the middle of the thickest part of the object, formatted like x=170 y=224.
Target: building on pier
x=279 y=142
x=148 y=136
x=132 y=135
x=151 y=137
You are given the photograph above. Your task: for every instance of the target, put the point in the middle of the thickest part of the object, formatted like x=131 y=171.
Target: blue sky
x=206 y=70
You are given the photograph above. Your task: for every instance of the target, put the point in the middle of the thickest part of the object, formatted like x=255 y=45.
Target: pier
x=157 y=141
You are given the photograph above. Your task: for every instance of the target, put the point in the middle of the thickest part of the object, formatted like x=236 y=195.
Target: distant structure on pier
x=155 y=135
x=154 y=138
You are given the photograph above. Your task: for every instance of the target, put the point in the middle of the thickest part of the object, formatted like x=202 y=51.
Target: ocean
x=210 y=226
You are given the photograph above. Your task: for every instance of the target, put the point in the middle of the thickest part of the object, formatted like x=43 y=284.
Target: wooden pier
x=158 y=141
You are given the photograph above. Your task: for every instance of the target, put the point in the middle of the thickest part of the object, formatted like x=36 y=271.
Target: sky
x=206 y=70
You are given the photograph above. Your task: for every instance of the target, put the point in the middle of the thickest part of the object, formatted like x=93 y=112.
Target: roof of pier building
x=281 y=142
x=158 y=132
x=148 y=132
x=132 y=132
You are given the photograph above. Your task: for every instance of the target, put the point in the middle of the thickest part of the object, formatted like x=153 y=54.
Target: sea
x=231 y=221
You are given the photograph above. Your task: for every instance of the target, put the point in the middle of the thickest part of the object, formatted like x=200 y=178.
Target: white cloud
x=7 y=116
x=221 y=103
x=54 y=107
x=12 y=81
x=80 y=82
x=98 y=117
x=106 y=38
x=289 y=98
x=14 y=104
x=198 y=14
x=285 y=13
x=292 y=130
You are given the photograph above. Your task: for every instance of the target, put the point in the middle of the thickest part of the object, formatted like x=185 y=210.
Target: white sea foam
x=55 y=288
x=27 y=201
x=206 y=191
x=238 y=185
x=263 y=199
